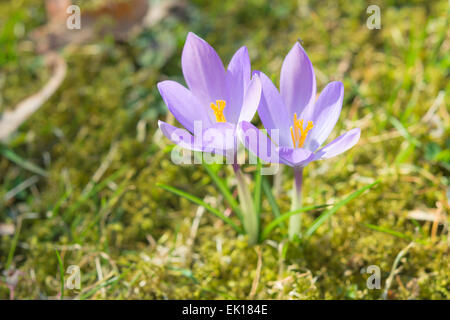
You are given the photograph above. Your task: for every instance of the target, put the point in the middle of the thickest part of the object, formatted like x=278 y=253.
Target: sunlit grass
x=99 y=158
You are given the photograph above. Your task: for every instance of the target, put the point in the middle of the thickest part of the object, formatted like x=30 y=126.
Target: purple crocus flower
x=297 y=123
x=303 y=123
x=216 y=101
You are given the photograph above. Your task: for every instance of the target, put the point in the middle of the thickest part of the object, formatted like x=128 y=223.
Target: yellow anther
x=218 y=110
x=298 y=134
x=293 y=137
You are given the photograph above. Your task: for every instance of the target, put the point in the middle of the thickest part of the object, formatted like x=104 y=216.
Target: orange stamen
x=218 y=110
x=298 y=134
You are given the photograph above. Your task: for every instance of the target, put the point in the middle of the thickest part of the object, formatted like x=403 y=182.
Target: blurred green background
x=79 y=176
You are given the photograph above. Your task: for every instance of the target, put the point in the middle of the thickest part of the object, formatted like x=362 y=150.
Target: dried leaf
x=429 y=215
x=11 y=120
x=7 y=229
x=119 y=18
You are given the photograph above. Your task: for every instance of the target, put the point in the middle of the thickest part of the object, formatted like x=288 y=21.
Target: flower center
x=299 y=134
x=218 y=110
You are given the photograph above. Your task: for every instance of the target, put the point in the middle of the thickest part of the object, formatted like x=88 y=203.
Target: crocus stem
x=250 y=218
x=295 y=222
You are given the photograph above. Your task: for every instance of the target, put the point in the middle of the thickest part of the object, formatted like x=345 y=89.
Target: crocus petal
x=203 y=71
x=339 y=145
x=251 y=100
x=179 y=136
x=257 y=142
x=240 y=68
x=183 y=105
x=298 y=83
x=219 y=138
x=238 y=77
x=326 y=113
x=295 y=157
x=273 y=112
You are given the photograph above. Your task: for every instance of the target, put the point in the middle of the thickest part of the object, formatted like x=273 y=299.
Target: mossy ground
x=131 y=239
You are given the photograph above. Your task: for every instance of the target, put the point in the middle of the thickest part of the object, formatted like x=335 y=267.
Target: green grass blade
x=258 y=189
x=60 y=202
x=394 y=233
x=105 y=206
x=386 y=230
x=272 y=201
x=328 y=213
x=27 y=165
x=198 y=201
x=404 y=132
x=61 y=273
x=220 y=183
x=14 y=244
x=99 y=287
x=267 y=230
x=97 y=188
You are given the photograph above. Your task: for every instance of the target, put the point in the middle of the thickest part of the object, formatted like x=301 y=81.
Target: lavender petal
x=238 y=77
x=339 y=145
x=203 y=71
x=273 y=112
x=183 y=104
x=326 y=113
x=251 y=100
x=298 y=83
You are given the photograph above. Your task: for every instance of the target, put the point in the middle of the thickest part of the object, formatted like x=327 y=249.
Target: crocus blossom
x=216 y=101
x=297 y=123
x=301 y=123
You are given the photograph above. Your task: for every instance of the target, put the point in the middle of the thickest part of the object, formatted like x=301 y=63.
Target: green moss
x=142 y=234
